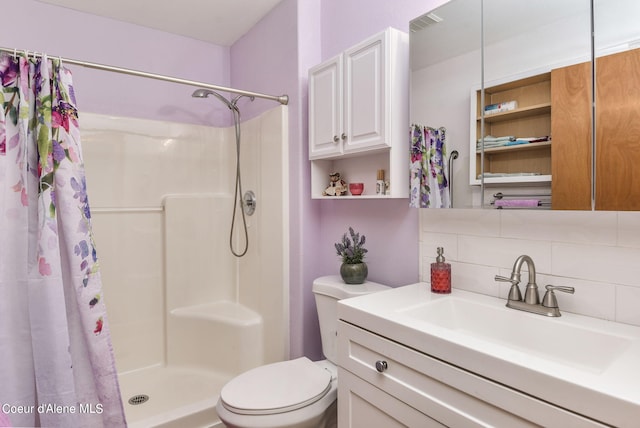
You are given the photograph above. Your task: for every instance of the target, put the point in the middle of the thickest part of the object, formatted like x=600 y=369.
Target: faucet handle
x=549 y=300
x=514 y=292
x=505 y=279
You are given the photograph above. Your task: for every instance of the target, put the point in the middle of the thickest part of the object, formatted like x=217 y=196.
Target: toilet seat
x=276 y=388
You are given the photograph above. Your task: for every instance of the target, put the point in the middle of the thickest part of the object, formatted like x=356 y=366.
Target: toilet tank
x=328 y=290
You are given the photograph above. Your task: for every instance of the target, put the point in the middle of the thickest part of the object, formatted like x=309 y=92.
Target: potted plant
x=353 y=269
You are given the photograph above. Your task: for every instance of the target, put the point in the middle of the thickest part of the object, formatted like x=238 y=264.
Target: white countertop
x=603 y=384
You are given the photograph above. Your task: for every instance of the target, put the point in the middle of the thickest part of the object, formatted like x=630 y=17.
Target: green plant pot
x=354 y=273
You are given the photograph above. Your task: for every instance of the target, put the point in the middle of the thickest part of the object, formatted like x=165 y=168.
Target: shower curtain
x=428 y=168
x=56 y=362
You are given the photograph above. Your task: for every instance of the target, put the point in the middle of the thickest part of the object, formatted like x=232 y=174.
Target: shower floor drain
x=138 y=399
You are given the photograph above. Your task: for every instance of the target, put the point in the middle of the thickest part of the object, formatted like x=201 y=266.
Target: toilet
x=297 y=393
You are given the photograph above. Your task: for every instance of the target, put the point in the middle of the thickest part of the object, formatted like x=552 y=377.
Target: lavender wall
x=296 y=35
x=63 y=32
x=347 y=22
x=272 y=58
x=391 y=226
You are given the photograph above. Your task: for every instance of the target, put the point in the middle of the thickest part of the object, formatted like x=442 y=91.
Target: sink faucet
x=531 y=302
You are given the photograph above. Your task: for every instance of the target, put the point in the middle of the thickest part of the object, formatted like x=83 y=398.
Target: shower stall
x=186 y=315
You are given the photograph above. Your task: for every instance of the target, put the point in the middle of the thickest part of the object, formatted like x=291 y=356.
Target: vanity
x=408 y=357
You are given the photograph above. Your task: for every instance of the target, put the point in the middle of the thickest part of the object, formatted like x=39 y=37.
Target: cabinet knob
x=335 y=139
x=381 y=365
x=344 y=136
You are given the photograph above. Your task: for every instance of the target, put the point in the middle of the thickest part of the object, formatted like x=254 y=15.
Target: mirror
x=445 y=64
x=504 y=93
x=617 y=98
x=526 y=44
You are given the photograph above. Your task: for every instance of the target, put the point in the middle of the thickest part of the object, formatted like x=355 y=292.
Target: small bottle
x=380 y=187
x=440 y=275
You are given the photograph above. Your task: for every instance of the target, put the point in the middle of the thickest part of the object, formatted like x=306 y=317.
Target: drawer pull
x=381 y=366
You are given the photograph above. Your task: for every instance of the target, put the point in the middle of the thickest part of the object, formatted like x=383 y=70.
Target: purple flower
x=351 y=249
x=80 y=189
x=72 y=96
x=58 y=152
x=8 y=70
x=81 y=249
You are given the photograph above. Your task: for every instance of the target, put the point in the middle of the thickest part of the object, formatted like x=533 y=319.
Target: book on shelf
x=500 y=107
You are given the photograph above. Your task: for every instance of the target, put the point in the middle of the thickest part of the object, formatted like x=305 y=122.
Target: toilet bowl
x=298 y=393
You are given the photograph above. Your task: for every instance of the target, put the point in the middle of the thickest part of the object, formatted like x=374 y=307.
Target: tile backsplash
x=598 y=253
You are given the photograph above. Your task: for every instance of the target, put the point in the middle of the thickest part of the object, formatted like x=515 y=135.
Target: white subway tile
x=475 y=278
x=562 y=226
x=595 y=252
x=628 y=304
x=615 y=265
x=503 y=252
x=629 y=229
x=461 y=221
x=431 y=241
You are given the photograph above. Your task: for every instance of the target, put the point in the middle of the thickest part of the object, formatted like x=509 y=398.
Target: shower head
x=201 y=93
x=204 y=93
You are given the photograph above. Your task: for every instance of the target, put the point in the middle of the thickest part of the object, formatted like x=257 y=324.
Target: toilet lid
x=276 y=388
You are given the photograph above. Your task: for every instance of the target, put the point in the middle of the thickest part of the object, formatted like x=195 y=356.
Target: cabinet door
x=366 y=91
x=325 y=109
x=618 y=131
x=361 y=405
x=571 y=131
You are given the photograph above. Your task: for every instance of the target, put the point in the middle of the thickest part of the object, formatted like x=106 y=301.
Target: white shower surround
x=185 y=314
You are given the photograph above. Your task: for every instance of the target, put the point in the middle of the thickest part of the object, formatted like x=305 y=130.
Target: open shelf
x=532 y=119
x=543 y=145
x=518 y=113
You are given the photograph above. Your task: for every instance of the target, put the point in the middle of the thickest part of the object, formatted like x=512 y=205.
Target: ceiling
x=454 y=28
x=221 y=22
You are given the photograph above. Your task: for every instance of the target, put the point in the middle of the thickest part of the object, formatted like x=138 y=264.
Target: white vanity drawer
x=362 y=406
x=450 y=395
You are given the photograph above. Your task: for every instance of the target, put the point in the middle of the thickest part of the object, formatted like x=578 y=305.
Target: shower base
x=178 y=397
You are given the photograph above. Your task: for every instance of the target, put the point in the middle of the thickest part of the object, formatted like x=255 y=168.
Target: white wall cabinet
x=416 y=390
x=359 y=115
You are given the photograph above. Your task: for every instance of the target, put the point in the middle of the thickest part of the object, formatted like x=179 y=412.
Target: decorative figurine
x=337 y=186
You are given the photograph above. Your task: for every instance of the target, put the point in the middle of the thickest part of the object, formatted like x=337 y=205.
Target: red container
x=356 y=189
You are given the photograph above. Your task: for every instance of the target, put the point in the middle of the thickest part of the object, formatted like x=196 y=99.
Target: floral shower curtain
x=56 y=362
x=428 y=165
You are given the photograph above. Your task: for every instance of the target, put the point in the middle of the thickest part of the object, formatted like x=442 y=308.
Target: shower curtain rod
x=282 y=99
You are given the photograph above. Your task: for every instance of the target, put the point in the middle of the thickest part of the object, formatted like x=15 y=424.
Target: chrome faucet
x=531 y=303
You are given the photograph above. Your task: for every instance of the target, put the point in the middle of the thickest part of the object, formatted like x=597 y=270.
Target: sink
x=553 y=339
x=586 y=365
